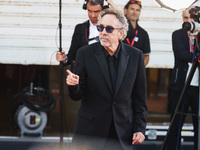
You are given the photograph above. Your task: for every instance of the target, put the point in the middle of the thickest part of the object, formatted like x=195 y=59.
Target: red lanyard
x=191 y=46
x=133 y=41
x=86 y=34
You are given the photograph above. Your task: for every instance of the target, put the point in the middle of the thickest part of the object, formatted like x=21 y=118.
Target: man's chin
x=105 y=44
x=94 y=22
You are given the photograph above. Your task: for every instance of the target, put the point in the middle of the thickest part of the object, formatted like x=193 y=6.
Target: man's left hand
x=138 y=137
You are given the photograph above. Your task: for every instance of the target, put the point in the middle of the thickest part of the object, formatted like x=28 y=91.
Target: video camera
x=193 y=27
x=195 y=13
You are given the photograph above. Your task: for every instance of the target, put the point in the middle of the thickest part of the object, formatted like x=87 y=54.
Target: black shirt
x=141 y=39
x=115 y=58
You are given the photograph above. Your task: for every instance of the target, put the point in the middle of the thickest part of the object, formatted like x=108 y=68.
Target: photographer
x=183 y=44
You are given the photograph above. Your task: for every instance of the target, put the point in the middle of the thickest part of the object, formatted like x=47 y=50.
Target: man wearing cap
x=138 y=38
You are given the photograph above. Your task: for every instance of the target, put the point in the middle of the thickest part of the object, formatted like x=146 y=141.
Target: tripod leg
x=180 y=103
x=198 y=146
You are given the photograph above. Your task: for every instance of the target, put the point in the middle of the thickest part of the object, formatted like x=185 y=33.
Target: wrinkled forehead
x=109 y=20
x=186 y=13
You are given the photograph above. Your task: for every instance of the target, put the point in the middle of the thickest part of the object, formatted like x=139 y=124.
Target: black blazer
x=99 y=106
x=79 y=39
x=182 y=55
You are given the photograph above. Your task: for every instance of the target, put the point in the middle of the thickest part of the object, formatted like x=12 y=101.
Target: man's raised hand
x=60 y=56
x=72 y=79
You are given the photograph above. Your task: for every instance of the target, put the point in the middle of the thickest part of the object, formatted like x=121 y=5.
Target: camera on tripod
x=193 y=27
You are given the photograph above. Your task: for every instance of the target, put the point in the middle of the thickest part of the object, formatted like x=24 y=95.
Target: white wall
x=29 y=34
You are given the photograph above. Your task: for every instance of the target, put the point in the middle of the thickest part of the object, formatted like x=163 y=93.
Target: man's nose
x=104 y=31
x=93 y=14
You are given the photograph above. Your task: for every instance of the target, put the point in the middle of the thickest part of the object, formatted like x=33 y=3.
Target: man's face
x=93 y=12
x=186 y=16
x=110 y=40
x=133 y=12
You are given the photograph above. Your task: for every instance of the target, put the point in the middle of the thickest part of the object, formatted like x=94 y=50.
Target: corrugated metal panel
x=29 y=33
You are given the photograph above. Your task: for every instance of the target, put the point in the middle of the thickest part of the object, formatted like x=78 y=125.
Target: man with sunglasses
x=110 y=80
x=139 y=37
x=85 y=33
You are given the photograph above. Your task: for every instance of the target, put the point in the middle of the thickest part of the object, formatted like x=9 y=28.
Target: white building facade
x=30 y=34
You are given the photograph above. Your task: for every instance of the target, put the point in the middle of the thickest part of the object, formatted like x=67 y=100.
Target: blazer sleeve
x=180 y=44
x=77 y=92
x=146 y=46
x=75 y=44
x=139 y=97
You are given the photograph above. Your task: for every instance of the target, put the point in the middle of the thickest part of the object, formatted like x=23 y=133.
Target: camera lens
x=186 y=26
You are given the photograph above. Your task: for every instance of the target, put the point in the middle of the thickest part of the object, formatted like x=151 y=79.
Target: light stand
x=180 y=102
x=176 y=5
x=61 y=98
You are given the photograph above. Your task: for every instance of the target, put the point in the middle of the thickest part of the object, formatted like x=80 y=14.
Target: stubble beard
x=105 y=44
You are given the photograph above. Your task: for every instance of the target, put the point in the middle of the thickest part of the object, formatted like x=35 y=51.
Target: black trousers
x=112 y=142
x=92 y=143
x=191 y=99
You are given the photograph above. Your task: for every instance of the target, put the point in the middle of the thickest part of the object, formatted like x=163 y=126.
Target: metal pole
x=61 y=78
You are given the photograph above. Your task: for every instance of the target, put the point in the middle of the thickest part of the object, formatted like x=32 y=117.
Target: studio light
x=176 y=5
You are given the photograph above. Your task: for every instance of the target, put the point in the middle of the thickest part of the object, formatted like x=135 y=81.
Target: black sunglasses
x=109 y=29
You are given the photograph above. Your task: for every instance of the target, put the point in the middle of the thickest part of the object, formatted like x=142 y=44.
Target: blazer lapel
x=124 y=57
x=101 y=59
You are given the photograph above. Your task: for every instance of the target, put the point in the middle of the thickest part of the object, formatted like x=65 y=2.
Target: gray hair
x=123 y=24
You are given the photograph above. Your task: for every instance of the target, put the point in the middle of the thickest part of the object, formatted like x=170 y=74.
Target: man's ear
x=121 y=34
x=125 y=11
